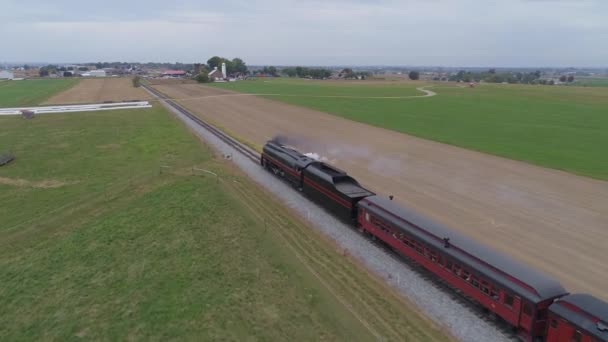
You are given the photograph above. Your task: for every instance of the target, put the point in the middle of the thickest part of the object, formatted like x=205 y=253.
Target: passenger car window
x=553 y=323
x=509 y=300
x=527 y=310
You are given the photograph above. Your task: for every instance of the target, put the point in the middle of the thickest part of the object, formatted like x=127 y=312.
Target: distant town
x=236 y=69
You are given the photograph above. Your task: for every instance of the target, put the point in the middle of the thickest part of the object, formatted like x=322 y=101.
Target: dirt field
x=551 y=220
x=100 y=90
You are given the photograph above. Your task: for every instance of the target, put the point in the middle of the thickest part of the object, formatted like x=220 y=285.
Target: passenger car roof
x=521 y=279
x=591 y=314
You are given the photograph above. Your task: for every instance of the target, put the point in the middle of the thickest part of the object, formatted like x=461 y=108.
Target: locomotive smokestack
x=390 y=197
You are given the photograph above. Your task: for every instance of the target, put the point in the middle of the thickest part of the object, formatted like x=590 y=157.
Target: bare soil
x=554 y=221
x=100 y=90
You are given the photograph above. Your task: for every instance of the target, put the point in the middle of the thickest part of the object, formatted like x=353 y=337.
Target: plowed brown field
x=100 y=90
x=551 y=220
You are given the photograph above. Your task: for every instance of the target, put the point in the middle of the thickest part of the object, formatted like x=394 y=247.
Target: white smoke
x=316 y=156
x=312 y=155
x=337 y=152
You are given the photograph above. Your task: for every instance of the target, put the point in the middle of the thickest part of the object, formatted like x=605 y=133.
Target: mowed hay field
x=557 y=127
x=31 y=92
x=98 y=242
x=97 y=90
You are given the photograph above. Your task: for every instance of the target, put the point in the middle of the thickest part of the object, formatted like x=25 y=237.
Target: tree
x=214 y=62
x=570 y=79
x=291 y=72
x=562 y=78
x=47 y=70
x=492 y=71
x=83 y=68
x=414 y=75
x=203 y=77
x=299 y=71
x=239 y=66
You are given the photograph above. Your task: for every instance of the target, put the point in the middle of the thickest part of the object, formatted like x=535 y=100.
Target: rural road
x=551 y=220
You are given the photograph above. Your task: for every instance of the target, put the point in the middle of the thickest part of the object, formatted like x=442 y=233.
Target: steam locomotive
x=535 y=305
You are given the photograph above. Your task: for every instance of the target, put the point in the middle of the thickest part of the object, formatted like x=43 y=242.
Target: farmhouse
x=217 y=74
x=6 y=75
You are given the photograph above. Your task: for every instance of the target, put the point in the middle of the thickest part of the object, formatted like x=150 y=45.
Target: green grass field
x=31 y=92
x=97 y=243
x=558 y=127
x=591 y=81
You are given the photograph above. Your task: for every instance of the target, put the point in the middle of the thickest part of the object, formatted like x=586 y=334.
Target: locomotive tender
x=535 y=305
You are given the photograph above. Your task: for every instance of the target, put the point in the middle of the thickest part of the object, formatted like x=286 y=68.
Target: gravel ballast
x=446 y=309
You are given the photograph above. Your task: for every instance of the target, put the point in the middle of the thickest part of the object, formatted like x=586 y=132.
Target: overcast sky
x=309 y=32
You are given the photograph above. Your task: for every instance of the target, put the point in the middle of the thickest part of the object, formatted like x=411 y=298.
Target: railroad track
x=240 y=147
x=455 y=294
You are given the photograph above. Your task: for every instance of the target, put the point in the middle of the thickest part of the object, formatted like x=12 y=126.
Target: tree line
x=303 y=72
x=349 y=74
x=491 y=76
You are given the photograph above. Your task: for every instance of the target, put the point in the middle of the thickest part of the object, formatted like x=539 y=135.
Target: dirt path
x=552 y=220
x=100 y=90
x=427 y=93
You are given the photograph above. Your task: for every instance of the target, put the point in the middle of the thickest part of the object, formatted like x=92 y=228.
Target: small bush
x=136 y=81
x=203 y=77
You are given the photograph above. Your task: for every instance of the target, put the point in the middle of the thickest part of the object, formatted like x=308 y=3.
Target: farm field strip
x=32 y=92
x=100 y=90
x=555 y=127
x=499 y=202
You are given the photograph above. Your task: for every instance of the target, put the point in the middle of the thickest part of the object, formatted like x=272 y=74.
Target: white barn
x=6 y=75
x=97 y=73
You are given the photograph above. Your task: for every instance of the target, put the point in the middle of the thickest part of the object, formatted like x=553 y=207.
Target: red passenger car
x=578 y=318
x=516 y=293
